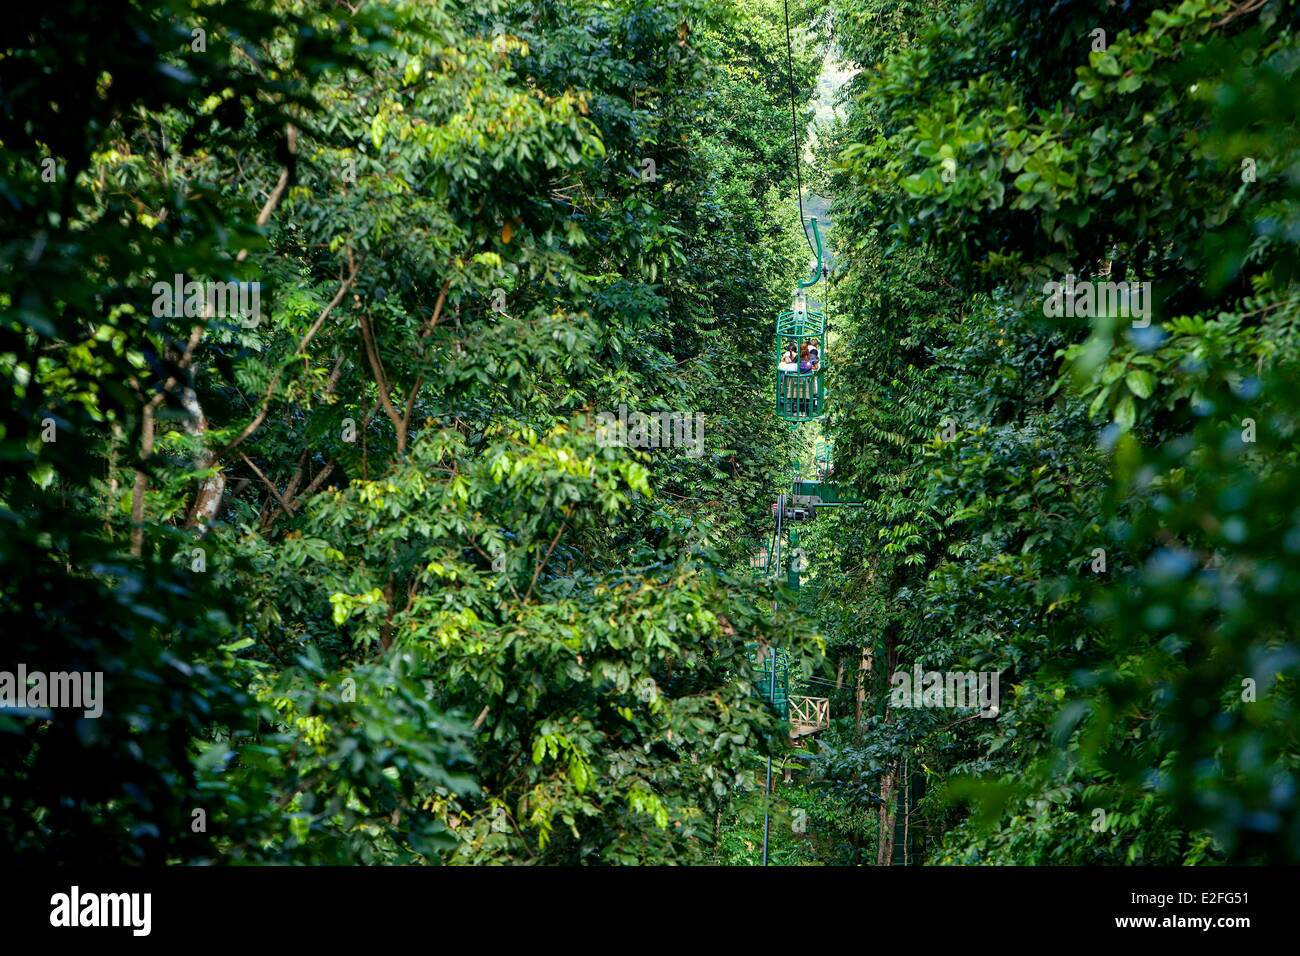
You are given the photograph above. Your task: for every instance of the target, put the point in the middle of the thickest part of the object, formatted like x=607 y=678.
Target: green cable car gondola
x=771 y=677
x=801 y=336
x=823 y=460
x=800 y=352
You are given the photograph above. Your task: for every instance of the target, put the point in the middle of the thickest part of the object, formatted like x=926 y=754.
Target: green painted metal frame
x=817 y=269
x=792 y=566
x=826 y=494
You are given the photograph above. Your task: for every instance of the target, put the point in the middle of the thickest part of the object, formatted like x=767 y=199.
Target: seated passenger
x=806 y=363
x=789 y=364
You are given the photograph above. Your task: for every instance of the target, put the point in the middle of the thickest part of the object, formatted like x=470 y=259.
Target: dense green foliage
x=365 y=583
x=998 y=447
x=368 y=582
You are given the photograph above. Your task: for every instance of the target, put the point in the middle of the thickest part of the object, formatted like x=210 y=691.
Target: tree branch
x=377 y=369
x=284 y=505
x=545 y=558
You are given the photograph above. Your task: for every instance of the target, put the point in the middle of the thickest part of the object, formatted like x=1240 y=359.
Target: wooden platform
x=809 y=715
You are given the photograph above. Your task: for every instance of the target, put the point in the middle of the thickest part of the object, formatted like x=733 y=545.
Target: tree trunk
x=888 y=815
x=110 y=508
x=888 y=787
x=907 y=813
x=141 y=481
x=864 y=671
x=207 y=504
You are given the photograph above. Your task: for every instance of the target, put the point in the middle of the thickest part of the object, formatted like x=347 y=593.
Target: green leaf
x=1125 y=412
x=1107 y=65
x=1140 y=383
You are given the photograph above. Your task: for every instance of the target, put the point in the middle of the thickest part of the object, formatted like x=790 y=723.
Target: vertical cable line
x=794 y=123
